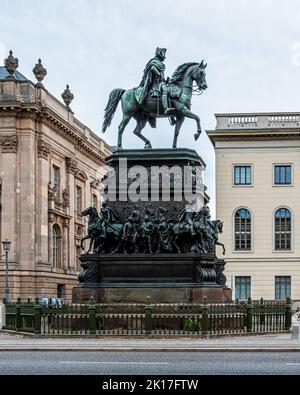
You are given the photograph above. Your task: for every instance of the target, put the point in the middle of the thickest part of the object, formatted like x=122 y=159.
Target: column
x=28 y=187
x=10 y=191
x=43 y=150
x=71 y=167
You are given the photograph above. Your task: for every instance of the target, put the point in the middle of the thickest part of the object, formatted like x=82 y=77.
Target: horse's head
x=91 y=211
x=199 y=75
x=219 y=226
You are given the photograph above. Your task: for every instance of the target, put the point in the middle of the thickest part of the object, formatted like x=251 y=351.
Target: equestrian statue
x=157 y=97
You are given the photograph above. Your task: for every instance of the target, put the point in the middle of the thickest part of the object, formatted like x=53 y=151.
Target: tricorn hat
x=161 y=52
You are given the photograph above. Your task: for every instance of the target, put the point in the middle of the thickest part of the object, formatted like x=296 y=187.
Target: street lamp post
x=6 y=247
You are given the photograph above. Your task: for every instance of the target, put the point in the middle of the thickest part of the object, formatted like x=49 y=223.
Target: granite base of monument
x=158 y=294
x=166 y=278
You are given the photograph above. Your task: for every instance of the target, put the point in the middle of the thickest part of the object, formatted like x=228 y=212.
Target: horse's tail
x=111 y=107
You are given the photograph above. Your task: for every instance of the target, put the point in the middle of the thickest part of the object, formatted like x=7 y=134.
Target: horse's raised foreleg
x=141 y=123
x=189 y=114
x=179 y=123
x=122 y=126
x=222 y=245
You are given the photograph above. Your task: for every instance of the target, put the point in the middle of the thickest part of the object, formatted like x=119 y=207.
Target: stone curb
x=190 y=350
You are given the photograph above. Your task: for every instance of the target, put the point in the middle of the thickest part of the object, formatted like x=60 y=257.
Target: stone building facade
x=51 y=166
x=258 y=197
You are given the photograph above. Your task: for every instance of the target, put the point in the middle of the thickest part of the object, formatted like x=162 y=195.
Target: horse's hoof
x=197 y=135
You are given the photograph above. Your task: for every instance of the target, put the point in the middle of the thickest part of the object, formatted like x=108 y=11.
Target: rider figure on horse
x=153 y=82
x=107 y=217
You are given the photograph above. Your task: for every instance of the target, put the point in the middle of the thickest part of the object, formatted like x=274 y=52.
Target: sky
x=252 y=48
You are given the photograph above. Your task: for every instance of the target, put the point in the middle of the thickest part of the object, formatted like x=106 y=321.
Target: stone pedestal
x=166 y=278
x=127 y=163
x=186 y=270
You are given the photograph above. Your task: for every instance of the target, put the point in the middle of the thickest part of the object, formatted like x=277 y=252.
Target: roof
x=18 y=76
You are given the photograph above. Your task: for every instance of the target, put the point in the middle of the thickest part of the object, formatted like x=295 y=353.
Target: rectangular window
x=55 y=177
x=243 y=288
x=78 y=199
x=95 y=200
x=242 y=175
x=283 y=288
x=283 y=175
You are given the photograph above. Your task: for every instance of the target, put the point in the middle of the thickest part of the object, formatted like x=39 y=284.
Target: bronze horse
x=180 y=90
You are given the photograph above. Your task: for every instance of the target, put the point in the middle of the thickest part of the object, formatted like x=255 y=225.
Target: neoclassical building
x=258 y=197
x=51 y=169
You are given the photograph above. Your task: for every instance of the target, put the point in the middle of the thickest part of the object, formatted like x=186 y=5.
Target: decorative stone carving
x=40 y=73
x=67 y=97
x=11 y=64
x=95 y=184
x=72 y=166
x=219 y=268
x=52 y=189
x=66 y=199
x=9 y=144
x=51 y=218
x=43 y=149
x=66 y=223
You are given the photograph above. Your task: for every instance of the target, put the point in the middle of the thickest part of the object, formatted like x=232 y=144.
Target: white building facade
x=258 y=198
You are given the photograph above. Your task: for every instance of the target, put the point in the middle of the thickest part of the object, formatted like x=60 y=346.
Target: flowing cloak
x=149 y=77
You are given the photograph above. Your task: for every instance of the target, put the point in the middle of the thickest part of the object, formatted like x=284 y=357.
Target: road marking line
x=119 y=363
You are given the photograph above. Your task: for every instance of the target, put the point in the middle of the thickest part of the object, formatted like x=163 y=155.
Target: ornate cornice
x=9 y=144
x=43 y=149
x=54 y=121
x=242 y=135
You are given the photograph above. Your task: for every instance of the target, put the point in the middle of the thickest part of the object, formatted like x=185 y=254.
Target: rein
x=196 y=91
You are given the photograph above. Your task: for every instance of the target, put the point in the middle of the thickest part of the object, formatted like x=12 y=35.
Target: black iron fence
x=149 y=319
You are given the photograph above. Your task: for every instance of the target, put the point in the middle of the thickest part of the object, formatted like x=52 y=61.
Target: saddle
x=174 y=92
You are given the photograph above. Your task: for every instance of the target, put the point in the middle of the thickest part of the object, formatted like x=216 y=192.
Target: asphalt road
x=149 y=363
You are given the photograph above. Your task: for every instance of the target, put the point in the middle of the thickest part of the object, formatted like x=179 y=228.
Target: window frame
x=247 y=284
x=242 y=251
x=284 y=251
x=251 y=166
x=274 y=175
x=286 y=287
x=77 y=187
x=56 y=247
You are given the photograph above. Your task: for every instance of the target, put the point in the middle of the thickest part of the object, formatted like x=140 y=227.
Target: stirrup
x=169 y=110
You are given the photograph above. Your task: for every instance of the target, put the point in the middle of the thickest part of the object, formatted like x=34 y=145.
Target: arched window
x=242 y=229
x=56 y=246
x=283 y=229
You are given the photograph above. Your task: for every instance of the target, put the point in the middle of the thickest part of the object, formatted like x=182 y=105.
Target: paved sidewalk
x=271 y=343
